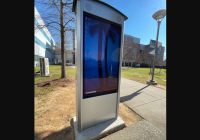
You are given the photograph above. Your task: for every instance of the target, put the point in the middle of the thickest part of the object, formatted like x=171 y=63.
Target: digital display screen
x=101 y=52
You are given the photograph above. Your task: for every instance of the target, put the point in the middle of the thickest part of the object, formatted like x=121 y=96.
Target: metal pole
x=155 y=49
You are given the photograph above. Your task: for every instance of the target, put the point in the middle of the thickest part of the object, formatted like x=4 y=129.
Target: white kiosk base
x=98 y=131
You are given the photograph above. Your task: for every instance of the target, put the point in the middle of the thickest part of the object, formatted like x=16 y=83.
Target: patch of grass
x=160 y=75
x=44 y=100
x=42 y=90
x=142 y=78
x=37 y=69
x=38 y=112
x=147 y=70
x=142 y=70
x=56 y=71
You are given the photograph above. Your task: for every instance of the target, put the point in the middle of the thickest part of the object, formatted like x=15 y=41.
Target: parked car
x=138 y=65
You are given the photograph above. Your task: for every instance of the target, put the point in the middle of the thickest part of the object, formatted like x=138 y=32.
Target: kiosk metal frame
x=94 y=110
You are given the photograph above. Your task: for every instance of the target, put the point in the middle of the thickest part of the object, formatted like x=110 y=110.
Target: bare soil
x=54 y=111
x=160 y=86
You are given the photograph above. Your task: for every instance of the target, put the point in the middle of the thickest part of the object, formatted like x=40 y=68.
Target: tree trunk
x=63 y=70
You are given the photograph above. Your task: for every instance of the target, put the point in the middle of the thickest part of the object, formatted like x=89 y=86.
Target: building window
x=36 y=58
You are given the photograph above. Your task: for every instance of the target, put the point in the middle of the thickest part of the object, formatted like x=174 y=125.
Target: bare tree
x=130 y=52
x=58 y=18
x=143 y=57
x=68 y=45
x=159 y=61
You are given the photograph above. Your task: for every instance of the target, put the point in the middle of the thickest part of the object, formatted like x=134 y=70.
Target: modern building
x=44 y=44
x=136 y=53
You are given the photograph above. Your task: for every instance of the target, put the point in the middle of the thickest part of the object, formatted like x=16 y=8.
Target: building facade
x=136 y=53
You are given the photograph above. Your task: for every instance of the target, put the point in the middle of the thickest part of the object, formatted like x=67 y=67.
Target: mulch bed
x=62 y=82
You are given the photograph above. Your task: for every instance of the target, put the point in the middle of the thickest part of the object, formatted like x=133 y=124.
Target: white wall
x=41 y=22
x=39 y=50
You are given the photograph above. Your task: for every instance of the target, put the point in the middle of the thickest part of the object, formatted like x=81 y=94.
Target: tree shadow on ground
x=132 y=95
x=64 y=134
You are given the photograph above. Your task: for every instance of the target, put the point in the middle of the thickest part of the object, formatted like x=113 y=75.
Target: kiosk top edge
x=75 y=1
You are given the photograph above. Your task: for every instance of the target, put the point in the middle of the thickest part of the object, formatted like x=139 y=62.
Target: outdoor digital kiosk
x=99 y=37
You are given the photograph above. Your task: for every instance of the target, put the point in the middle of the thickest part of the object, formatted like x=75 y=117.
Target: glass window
x=101 y=46
x=36 y=58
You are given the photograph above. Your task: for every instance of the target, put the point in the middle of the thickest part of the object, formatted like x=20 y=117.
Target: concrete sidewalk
x=148 y=101
x=142 y=130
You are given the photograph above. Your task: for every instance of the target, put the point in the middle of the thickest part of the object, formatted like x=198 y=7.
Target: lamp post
x=157 y=15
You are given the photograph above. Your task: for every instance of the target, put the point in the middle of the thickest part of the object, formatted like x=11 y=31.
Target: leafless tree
x=68 y=45
x=58 y=18
x=143 y=59
x=164 y=62
x=130 y=52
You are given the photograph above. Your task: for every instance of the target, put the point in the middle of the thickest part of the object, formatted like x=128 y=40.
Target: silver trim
x=81 y=63
x=120 y=66
x=79 y=12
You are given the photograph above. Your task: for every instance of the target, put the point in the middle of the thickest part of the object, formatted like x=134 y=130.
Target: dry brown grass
x=54 y=111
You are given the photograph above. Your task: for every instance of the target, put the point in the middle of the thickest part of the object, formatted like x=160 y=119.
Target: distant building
x=136 y=53
x=131 y=39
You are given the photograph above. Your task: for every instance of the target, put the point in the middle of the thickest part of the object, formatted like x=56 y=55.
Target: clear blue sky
x=140 y=23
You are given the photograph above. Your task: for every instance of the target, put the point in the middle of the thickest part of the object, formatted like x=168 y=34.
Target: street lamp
x=157 y=15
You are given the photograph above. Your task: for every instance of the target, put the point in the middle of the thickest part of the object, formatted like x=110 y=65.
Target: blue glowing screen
x=101 y=48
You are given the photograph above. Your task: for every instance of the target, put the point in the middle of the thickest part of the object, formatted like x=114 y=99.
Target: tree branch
x=56 y=6
x=67 y=22
x=65 y=4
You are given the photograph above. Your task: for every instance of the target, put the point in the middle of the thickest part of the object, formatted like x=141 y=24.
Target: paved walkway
x=148 y=101
x=142 y=130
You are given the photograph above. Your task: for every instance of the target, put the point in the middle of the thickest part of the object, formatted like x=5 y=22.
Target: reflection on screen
x=101 y=48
